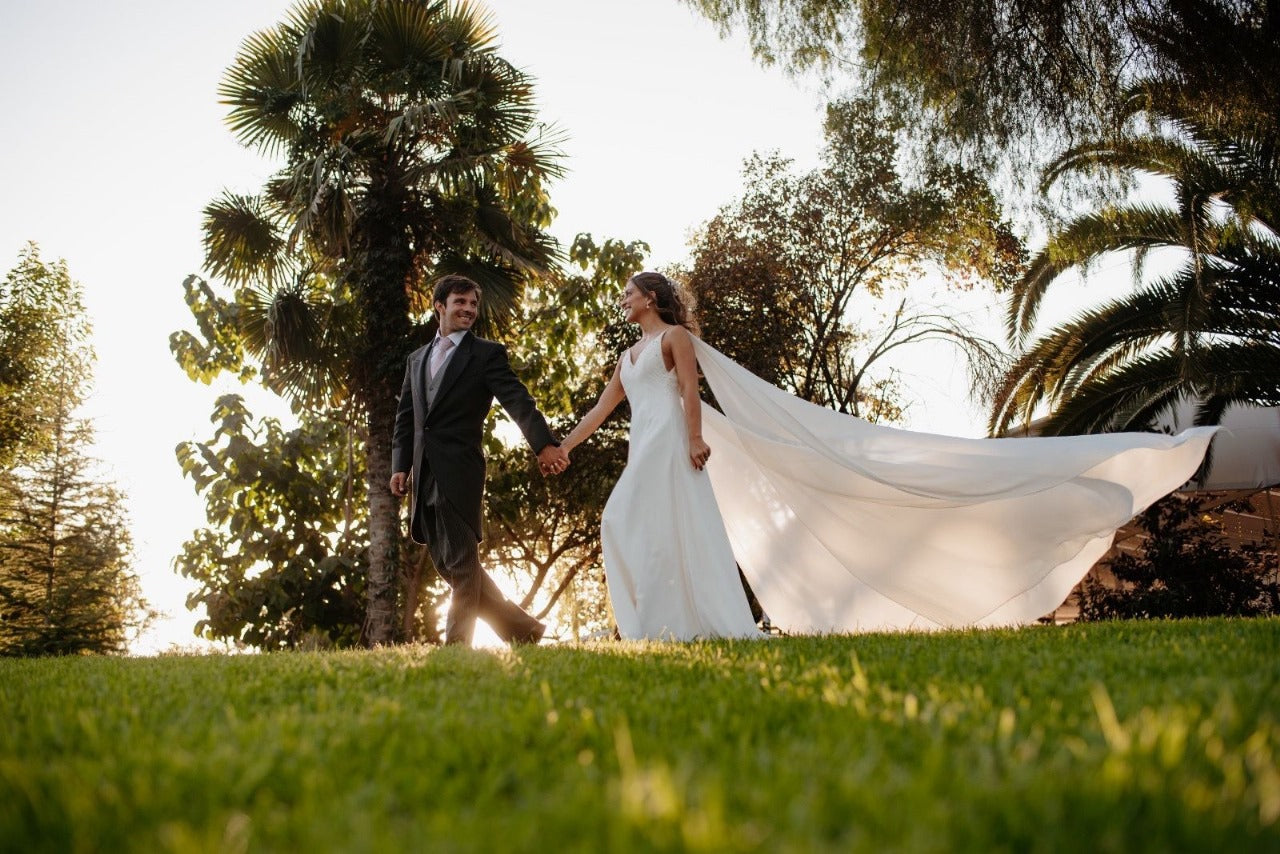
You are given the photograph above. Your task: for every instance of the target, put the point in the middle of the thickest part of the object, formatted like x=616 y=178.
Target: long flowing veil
x=842 y=525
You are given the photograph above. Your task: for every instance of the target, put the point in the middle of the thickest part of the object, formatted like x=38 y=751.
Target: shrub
x=1185 y=568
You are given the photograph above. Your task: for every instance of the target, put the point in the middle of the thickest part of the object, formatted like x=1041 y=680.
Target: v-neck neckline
x=634 y=357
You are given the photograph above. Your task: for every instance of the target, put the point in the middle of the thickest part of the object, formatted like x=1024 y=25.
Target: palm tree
x=1210 y=329
x=410 y=149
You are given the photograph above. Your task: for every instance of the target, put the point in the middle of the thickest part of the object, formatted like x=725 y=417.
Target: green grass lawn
x=1113 y=737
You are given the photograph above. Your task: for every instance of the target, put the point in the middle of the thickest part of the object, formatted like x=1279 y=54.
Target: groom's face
x=458 y=312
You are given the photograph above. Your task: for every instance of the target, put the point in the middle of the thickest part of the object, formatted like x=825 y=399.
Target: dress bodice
x=648 y=369
x=651 y=389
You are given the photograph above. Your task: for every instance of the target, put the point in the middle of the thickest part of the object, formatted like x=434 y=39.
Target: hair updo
x=673 y=304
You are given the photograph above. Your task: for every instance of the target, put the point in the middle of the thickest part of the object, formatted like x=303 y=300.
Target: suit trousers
x=456 y=554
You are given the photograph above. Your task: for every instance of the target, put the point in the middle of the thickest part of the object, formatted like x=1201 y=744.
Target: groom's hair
x=454 y=284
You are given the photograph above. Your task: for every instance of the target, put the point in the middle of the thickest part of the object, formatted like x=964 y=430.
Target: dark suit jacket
x=444 y=442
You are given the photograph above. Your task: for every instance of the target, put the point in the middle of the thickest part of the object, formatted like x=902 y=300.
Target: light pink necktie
x=438 y=353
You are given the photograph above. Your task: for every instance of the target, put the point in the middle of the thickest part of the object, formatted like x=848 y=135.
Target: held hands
x=399 y=483
x=699 y=452
x=552 y=460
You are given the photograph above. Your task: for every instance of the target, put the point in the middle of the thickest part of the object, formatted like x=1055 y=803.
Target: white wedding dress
x=844 y=526
x=667 y=558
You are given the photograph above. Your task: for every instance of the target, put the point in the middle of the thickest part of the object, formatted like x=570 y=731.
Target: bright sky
x=114 y=141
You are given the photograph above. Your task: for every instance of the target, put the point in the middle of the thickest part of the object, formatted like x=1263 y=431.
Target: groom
x=449 y=386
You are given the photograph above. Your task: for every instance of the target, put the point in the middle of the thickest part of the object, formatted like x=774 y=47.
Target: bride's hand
x=699 y=453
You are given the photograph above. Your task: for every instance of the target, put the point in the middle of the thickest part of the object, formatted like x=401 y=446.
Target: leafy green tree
x=41 y=315
x=67 y=583
x=998 y=84
x=567 y=318
x=283 y=561
x=786 y=275
x=1208 y=329
x=967 y=72
x=749 y=305
x=410 y=149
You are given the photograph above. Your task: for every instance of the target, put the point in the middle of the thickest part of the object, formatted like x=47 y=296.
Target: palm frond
x=509 y=241
x=431 y=119
x=1210 y=125
x=330 y=47
x=469 y=26
x=324 y=207
x=504 y=110
x=262 y=89
x=538 y=157
x=1245 y=372
x=1112 y=229
x=1158 y=155
x=295 y=331
x=243 y=240
x=1128 y=399
x=449 y=174
x=407 y=39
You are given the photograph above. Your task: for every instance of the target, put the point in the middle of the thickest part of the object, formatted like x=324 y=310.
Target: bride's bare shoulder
x=677 y=333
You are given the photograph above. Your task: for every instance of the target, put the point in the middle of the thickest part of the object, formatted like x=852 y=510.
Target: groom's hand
x=552 y=459
x=399 y=481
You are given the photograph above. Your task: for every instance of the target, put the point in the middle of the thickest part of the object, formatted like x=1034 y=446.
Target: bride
x=669 y=565
x=840 y=525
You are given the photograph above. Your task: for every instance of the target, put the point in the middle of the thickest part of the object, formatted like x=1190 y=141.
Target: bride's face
x=634 y=303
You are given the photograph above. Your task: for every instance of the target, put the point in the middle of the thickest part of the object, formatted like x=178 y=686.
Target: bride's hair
x=674 y=304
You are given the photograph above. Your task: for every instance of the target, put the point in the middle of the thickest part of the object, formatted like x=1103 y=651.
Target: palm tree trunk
x=384 y=270
x=384 y=529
